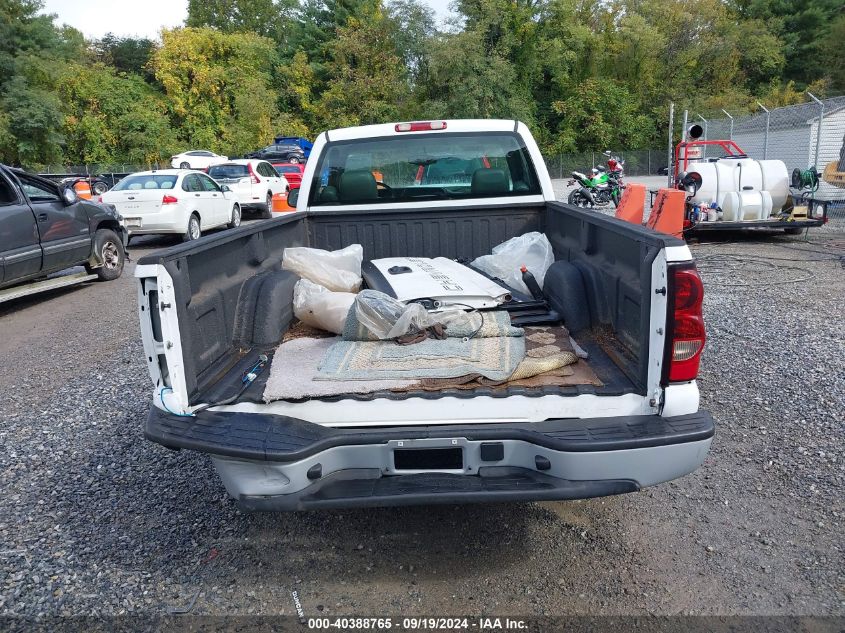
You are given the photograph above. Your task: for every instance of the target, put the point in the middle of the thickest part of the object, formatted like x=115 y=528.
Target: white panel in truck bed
x=440 y=279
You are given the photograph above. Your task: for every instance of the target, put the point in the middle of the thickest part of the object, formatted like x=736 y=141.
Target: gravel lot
x=95 y=520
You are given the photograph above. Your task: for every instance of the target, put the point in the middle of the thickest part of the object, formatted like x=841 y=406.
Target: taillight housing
x=420 y=126
x=169 y=200
x=685 y=334
x=254 y=179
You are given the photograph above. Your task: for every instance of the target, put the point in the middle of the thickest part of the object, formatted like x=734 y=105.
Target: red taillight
x=252 y=177
x=420 y=126
x=685 y=325
x=99 y=198
x=169 y=200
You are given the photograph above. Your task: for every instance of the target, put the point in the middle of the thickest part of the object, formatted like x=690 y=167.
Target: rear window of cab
x=424 y=167
x=228 y=171
x=152 y=181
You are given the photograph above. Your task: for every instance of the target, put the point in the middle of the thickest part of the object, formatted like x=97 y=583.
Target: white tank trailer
x=743 y=188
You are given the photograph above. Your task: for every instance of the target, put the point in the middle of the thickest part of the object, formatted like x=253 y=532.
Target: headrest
x=357 y=185
x=489 y=181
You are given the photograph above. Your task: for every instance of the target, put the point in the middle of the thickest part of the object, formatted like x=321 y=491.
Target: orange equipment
x=667 y=213
x=280 y=203
x=83 y=189
x=632 y=204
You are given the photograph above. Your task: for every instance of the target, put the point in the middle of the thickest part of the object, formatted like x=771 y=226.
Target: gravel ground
x=95 y=520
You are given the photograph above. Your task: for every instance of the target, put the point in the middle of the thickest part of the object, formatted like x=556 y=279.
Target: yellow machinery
x=834 y=173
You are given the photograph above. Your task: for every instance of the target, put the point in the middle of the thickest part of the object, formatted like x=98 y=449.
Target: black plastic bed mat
x=616 y=383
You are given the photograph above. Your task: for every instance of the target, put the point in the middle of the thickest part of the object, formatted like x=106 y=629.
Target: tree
x=126 y=54
x=268 y=18
x=832 y=51
x=803 y=27
x=32 y=52
x=112 y=118
x=365 y=77
x=217 y=87
x=600 y=115
x=411 y=29
x=465 y=81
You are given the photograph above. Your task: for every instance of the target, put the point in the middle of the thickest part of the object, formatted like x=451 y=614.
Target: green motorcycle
x=600 y=188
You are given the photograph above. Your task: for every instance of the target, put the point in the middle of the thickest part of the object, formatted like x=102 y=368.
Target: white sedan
x=173 y=201
x=254 y=183
x=196 y=159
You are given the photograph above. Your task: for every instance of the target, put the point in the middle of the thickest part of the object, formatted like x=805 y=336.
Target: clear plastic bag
x=319 y=307
x=338 y=271
x=531 y=250
x=386 y=318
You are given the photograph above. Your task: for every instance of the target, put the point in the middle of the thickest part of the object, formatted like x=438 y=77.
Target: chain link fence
x=644 y=162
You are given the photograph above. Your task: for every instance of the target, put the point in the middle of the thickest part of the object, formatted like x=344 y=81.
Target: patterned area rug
x=494 y=358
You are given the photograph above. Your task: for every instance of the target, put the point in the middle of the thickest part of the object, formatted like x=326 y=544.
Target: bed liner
x=616 y=383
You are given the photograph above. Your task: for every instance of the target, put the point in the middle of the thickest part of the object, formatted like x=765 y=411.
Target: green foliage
x=464 y=81
x=601 y=114
x=126 y=54
x=111 y=118
x=217 y=87
x=268 y=18
x=366 y=81
x=802 y=28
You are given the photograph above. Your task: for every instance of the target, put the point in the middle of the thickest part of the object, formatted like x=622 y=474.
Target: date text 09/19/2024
x=417 y=624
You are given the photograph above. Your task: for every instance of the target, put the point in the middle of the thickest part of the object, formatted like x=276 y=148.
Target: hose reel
x=805 y=179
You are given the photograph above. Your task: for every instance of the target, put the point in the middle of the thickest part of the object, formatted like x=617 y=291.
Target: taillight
x=99 y=198
x=685 y=324
x=252 y=177
x=420 y=126
x=169 y=200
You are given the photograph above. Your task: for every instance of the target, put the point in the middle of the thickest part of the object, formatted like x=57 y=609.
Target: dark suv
x=280 y=154
x=45 y=228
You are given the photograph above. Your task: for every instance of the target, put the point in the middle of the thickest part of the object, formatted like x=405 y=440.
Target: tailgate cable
x=247 y=379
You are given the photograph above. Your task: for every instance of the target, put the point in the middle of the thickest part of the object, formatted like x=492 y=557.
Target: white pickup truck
x=214 y=311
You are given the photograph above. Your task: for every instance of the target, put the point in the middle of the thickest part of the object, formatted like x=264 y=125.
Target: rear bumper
x=278 y=463
x=170 y=219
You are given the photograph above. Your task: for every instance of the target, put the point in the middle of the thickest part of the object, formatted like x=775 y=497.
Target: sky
x=140 y=18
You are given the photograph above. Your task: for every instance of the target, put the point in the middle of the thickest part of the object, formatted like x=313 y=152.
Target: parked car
x=196 y=159
x=173 y=201
x=303 y=143
x=292 y=172
x=630 y=296
x=286 y=153
x=252 y=182
x=45 y=227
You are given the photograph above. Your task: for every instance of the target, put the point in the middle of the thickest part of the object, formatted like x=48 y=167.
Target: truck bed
x=231 y=290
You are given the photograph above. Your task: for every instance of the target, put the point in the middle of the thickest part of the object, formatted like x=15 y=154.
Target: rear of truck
x=214 y=312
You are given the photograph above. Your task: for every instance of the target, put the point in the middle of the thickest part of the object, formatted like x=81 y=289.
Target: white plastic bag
x=387 y=318
x=338 y=271
x=318 y=307
x=531 y=250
